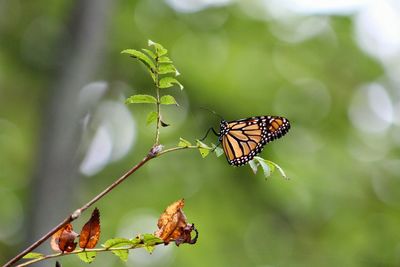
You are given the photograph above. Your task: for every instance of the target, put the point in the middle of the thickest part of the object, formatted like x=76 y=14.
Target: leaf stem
x=157 y=141
x=175 y=149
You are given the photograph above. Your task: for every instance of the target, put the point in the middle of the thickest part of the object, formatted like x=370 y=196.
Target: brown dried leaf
x=90 y=232
x=63 y=239
x=173 y=225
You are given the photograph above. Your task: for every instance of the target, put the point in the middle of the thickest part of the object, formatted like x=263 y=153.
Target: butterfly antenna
x=213 y=112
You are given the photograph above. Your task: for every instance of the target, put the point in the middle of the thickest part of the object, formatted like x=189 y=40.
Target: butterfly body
x=243 y=139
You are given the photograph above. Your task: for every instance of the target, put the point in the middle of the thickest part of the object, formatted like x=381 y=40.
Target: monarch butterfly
x=243 y=139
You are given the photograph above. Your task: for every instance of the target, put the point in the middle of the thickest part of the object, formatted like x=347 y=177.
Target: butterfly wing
x=243 y=139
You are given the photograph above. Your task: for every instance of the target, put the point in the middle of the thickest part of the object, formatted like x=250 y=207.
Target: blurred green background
x=331 y=67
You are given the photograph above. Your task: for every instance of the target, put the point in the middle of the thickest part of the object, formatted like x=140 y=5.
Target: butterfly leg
x=208 y=131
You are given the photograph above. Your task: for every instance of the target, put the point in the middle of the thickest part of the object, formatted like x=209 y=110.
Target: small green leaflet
x=253 y=165
x=136 y=241
x=217 y=150
x=151 y=117
x=137 y=99
x=117 y=242
x=160 y=50
x=164 y=59
x=183 y=142
x=87 y=256
x=33 y=255
x=149 y=242
x=167 y=68
x=142 y=57
x=150 y=53
x=122 y=254
x=168 y=82
x=203 y=148
x=168 y=100
x=267 y=166
x=120 y=243
x=273 y=164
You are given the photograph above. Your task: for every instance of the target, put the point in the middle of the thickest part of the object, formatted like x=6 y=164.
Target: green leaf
x=202 y=145
x=150 y=53
x=203 y=148
x=253 y=165
x=118 y=242
x=217 y=150
x=269 y=167
x=87 y=256
x=122 y=254
x=160 y=50
x=149 y=242
x=167 y=68
x=142 y=57
x=265 y=166
x=151 y=117
x=33 y=255
x=136 y=241
x=183 y=142
x=164 y=59
x=168 y=82
x=273 y=164
x=136 y=99
x=168 y=100
x=204 y=152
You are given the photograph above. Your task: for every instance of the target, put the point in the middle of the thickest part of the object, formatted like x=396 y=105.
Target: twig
x=175 y=149
x=61 y=254
x=154 y=152
x=75 y=215
x=158 y=103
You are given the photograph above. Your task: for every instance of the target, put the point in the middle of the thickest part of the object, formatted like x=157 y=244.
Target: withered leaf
x=90 y=233
x=173 y=226
x=63 y=239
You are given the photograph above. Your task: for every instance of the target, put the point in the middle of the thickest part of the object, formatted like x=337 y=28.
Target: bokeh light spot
x=371 y=109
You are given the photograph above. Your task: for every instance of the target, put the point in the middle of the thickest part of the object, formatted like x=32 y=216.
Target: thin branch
x=75 y=215
x=154 y=152
x=157 y=84
x=158 y=115
x=175 y=149
x=61 y=254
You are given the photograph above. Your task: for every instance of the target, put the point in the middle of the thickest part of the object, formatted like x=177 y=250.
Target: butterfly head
x=223 y=128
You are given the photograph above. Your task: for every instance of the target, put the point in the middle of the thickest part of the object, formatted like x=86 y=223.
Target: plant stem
x=60 y=254
x=158 y=117
x=75 y=215
x=158 y=103
x=175 y=149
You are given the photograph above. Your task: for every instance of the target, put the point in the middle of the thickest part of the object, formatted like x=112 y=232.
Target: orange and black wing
x=243 y=139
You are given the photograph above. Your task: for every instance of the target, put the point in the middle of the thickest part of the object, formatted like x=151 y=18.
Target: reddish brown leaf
x=173 y=225
x=63 y=239
x=90 y=233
